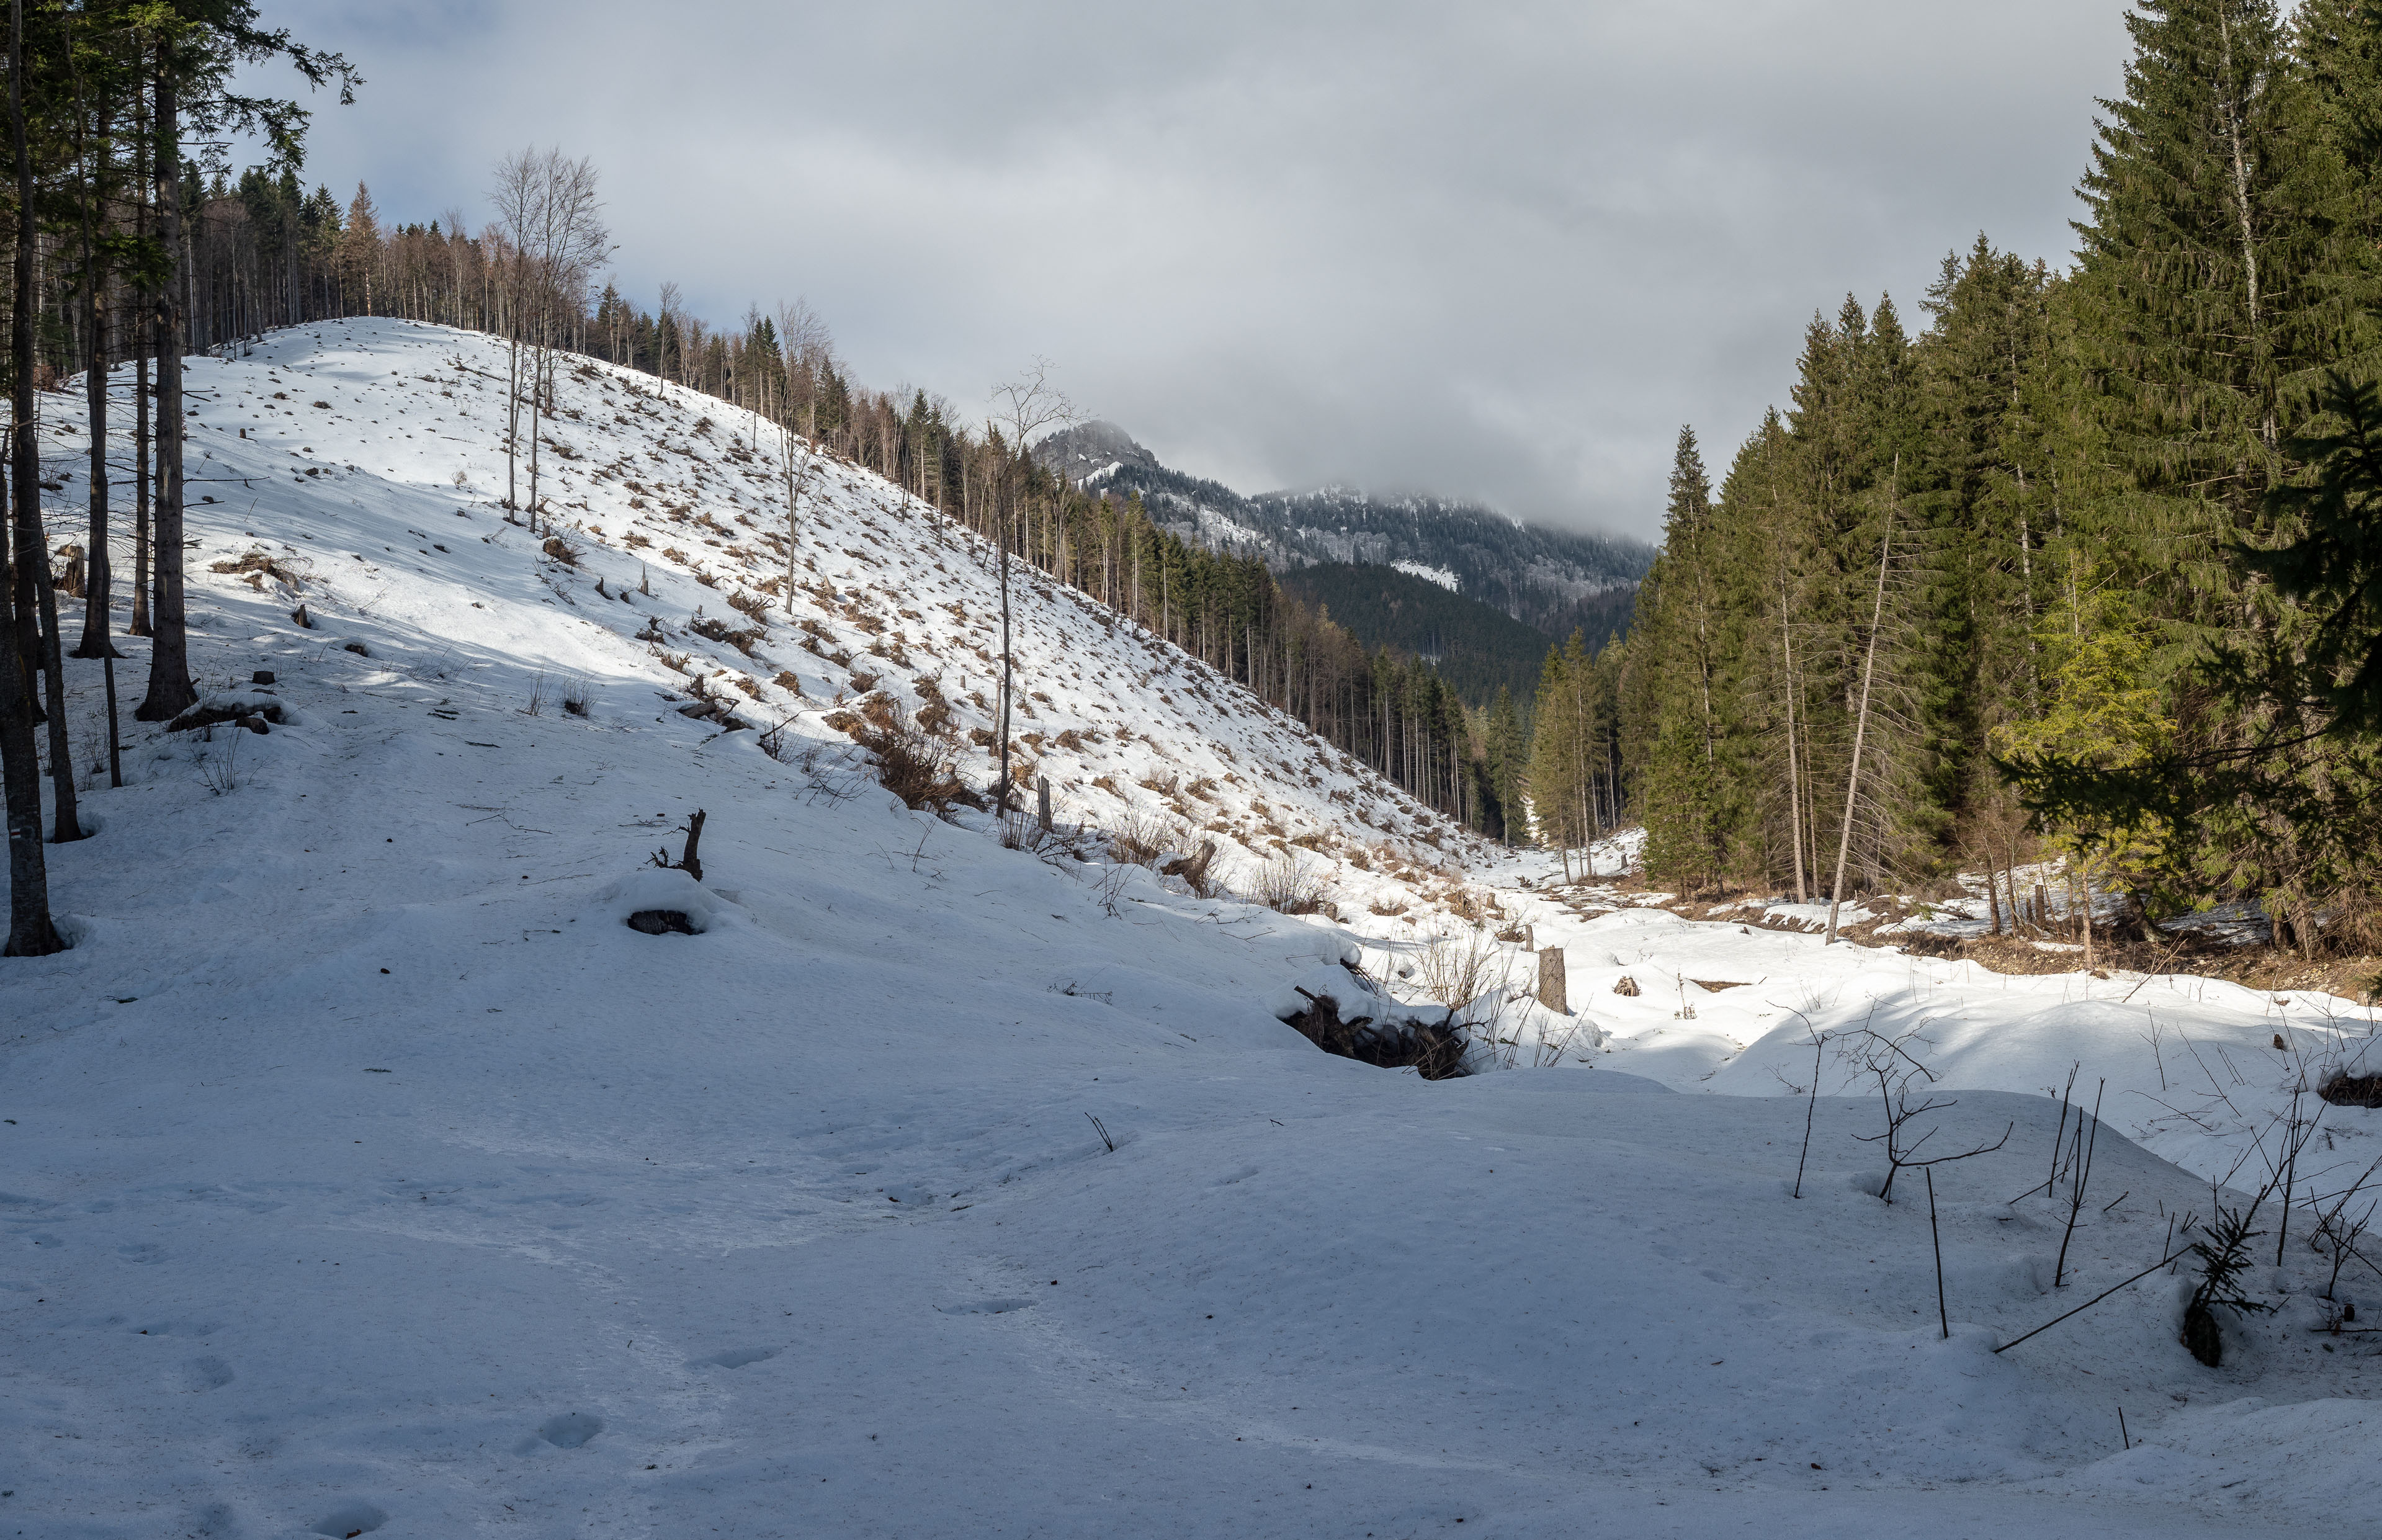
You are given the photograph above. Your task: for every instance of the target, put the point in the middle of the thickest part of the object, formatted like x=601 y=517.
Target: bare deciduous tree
x=553 y=227
x=1861 y=721
x=1021 y=408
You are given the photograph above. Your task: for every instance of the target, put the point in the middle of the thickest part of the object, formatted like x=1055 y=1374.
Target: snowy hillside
x=364 y=1173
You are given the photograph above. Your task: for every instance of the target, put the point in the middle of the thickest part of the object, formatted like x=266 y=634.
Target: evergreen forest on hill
x=1476 y=647
x=2088 y=561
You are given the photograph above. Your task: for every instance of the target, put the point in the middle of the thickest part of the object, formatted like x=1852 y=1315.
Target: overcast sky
x=1489 y=250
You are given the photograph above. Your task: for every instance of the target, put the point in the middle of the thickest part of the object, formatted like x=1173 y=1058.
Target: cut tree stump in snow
x=2201 y=1335
x=1552 y=985
x=2352 y=1091
x=1435 y=1050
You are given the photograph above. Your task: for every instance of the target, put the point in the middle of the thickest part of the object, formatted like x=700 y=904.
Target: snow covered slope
x=2195 y=1067
x=363 y=1172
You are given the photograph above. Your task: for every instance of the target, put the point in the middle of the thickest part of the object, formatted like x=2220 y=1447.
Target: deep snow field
x=363 y=1172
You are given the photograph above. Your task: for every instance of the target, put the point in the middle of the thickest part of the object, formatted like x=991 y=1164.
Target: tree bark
x=30 y=932
x=99 y=585
x=25 y=450
x=1002 y=798
x=170 y=690
x=1794 y=775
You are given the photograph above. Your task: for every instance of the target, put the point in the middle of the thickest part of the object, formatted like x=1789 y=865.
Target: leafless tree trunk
x=142 y=329
x=798 y=482
x=30 y=932
x=99 y=577
x=2229 y=108
x=1025 y=406
x=1861 y=721
x=32 y=538
x=553 y=219
x=1794 y=778
x=171 y=691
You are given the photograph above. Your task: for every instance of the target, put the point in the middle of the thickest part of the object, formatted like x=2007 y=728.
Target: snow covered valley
x=364 y=1173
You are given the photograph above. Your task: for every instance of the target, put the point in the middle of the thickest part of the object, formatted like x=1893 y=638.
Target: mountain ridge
x=1536 y=575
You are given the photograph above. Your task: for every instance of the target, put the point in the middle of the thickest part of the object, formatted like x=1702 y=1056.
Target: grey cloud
x=1497 y=250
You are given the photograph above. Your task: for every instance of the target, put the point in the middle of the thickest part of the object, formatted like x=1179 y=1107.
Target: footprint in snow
x=734 y=1358
x=571 y=1430
x=353 y=1520
x=985 y=1307
x=206 y=1373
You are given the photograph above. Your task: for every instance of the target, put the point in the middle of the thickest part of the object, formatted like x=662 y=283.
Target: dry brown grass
x=913 y=763
x=1291 y=882
x=1140 y=835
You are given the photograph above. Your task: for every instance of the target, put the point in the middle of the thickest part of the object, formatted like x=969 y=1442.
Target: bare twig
x=2094 y=1299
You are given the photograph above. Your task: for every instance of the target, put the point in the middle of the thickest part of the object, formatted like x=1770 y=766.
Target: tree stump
x=1552 y=990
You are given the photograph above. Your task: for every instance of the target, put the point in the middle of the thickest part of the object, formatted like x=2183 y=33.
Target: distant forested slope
x=1475 y=646
x=1548 y=578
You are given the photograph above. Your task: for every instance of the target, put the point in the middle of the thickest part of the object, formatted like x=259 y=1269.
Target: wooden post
x=1042 y=790
x=1551 y=992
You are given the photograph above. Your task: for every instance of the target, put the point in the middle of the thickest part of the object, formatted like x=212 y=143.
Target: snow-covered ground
x=363 y=1172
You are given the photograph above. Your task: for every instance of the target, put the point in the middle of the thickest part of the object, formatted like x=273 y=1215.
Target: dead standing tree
x=1023 y=407
x=805 y=338
x=1860 y=719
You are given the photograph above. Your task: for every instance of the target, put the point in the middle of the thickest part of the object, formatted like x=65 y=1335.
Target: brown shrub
x=912 y=762
x=258 y=565
x=1291 y=883
x=1140 y=836
x=718 y=630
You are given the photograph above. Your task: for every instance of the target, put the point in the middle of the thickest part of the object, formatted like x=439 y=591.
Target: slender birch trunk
x=1860 y=721
x=1794 y=778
